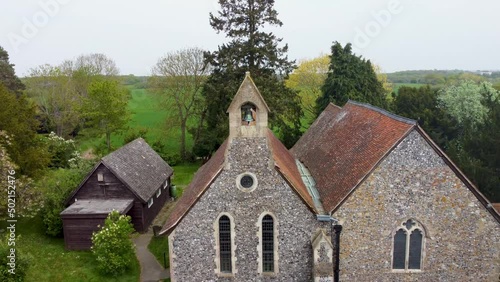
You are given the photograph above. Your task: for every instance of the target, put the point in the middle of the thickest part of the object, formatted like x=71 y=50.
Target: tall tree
x=250 y=49
x=96 y=64
x=54 y=92
x=105 y=108
x=307 y=80
x=382 y=78
x=7 y=75
x=476 y=108
x=17 y=119
x=178 y=78
x=350 y=77
x=466 y=102
x=59 y=90
x=421 y=104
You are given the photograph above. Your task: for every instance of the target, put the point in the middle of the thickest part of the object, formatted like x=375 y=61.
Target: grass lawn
x=182 y=176
x=159 y=247
x=51 y=262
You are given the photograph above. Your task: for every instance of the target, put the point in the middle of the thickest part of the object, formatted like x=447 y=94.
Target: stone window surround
x=276 y=243
x=250 y=189
x=425 y=235
x=217 y=247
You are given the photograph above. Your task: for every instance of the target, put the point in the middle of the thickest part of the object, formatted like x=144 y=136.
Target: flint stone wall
x=462 y=240
x=193 y=244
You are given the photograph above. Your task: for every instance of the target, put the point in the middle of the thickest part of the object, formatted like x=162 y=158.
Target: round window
x=246 y=182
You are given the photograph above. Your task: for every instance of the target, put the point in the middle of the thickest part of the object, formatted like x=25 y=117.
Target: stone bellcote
x=248 y=111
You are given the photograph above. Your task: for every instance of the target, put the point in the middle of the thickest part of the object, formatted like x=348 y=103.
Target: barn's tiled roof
x=201 y=181
x=139 y=167
x=285 y=164
x=345 y=144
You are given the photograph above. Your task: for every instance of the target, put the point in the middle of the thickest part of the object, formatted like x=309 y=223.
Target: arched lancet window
x=408 y=246
x=248 y=114
x=267 y=244
x=225 y=244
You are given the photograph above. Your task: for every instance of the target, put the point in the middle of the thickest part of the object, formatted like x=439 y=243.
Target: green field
x=146 y=114
x=51 y=262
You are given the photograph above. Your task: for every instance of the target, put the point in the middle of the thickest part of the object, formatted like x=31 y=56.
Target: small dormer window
x=248 y=114
x=100 y=177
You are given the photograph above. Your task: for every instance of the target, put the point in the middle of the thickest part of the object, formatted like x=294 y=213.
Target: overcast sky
x=396 y=34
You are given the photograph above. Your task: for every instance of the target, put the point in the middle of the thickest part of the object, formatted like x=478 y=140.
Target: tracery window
x=408 y=246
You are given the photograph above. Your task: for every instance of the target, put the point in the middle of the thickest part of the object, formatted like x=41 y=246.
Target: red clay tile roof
x=285 y=164
x=344 y=145
x=201 y=181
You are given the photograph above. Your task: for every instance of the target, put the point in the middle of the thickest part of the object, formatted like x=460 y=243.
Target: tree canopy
x=105 y=109
x=307 y=80
x=7 y=74
x=177 y=79
x=467 y=101
x=250 y=49
x=350 y=77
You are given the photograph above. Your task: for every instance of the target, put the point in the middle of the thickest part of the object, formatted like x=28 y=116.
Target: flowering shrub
x=112 y=245
x=28 y=200
x=63 y=152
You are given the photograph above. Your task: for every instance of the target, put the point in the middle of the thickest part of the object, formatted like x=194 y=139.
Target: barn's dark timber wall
x=78 y=228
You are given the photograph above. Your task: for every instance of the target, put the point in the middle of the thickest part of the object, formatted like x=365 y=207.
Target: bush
x=112 y=246
x=56 y=186
x=171 y=158
x=134 y=134
x=21 y=264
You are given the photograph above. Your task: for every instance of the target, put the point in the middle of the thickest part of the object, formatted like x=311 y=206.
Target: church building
x=364 y=195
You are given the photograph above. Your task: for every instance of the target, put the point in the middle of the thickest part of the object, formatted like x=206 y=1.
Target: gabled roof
x=284 y=164
x=201 y=181
x=345 y=144
x=238 y=98
x=138 y=166
x=287 y=167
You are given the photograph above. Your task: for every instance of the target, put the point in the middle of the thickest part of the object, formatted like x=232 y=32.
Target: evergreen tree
x=17 y=119
x=7 y=75
x=249 y=49
x=350 y=77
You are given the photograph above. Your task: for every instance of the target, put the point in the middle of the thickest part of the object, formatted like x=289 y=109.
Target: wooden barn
x=133 y=180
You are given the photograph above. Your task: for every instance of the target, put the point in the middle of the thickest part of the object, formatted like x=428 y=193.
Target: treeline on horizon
x=431 y=77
